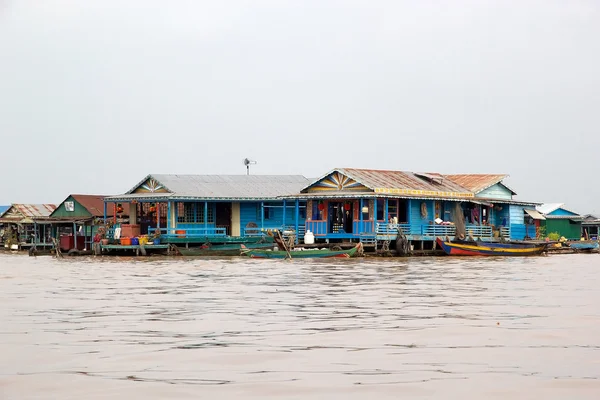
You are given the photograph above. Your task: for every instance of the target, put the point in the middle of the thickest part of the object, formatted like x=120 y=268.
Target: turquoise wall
x=498 y=191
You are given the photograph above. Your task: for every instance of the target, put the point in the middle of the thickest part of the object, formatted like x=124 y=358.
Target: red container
x=67 y=242
x=125 y=241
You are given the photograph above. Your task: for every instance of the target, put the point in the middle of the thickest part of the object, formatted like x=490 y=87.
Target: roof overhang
x=535 y=214
x=158 y=197
x=574 y=218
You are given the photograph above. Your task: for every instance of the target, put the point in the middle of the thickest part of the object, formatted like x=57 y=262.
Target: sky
x=97 y=94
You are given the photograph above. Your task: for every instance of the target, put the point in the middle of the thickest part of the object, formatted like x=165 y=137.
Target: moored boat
x=281 y=254
x=584 y=245
x=224 y=250
x=474 y=248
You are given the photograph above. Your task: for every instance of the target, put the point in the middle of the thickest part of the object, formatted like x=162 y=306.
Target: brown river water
x=160 y=328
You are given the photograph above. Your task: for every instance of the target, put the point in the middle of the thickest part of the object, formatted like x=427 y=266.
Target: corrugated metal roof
x=35 y=210
x=548 y=208
x=27 y=212
x=535 y=214
x=478 y=182
x=229 y=186
x=385 y=180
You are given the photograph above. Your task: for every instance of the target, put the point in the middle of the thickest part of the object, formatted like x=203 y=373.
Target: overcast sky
x=96 y=94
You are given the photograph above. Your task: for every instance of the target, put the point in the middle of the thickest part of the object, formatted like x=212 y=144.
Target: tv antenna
x=247 y=163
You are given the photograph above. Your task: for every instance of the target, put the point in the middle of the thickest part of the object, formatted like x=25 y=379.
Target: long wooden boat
x=474 y=248
x=254 y=253
x=584 y=245
x=224 y=250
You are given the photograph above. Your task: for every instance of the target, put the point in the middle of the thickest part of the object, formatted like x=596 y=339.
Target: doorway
x=223 y=217
x=341 y=217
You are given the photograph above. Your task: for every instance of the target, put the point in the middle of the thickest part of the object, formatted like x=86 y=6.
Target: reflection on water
x=239 y=328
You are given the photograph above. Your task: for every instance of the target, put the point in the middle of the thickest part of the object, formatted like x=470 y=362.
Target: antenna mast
x=247 y=163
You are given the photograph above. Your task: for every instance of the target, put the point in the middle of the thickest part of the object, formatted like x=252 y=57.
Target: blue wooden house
x=214 y=208
x=516 y=220
x=349 y=204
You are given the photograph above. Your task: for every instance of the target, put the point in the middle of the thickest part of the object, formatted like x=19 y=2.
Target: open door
x=223 y=217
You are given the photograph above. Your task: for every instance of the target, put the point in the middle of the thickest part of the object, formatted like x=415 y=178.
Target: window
x=70 y=206
x=267 y=211
x=194 y=213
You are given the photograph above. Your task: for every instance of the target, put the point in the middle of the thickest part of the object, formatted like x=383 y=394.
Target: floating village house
x=590 y=227
x=364 y=204
x=189 y=209
x=77 y=219
x=344 y=205
x=558 y=219
x=29 y=225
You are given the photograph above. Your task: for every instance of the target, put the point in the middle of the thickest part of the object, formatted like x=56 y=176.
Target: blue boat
x=584 y=245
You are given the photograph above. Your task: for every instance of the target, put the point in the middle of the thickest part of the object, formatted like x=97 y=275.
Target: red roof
x=95 y=204
x=477 y=182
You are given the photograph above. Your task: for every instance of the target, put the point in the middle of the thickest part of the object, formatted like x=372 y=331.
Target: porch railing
x=432 y=230
x=318 y=228
x=188 y=232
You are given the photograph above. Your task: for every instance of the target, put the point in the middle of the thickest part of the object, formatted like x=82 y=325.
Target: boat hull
x=584 y=245
x=228 y=250
x=491 y=249
x=303 y=253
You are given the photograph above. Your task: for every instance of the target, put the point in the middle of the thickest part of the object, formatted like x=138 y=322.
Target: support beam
x=283 y=218
x=297 y=219
x=206 y=217
x=375 y=215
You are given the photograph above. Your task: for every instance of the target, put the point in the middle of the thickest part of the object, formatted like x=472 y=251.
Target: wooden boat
x=224 y=250
x=584 y=245
x=474 y=248
x=254 y=253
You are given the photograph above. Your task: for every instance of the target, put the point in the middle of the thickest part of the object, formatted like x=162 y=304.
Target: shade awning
x=535 y=215
x=481 y=202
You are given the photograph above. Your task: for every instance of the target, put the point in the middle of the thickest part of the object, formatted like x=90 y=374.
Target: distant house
x=561 y=220
x=77 y=219
x=590 y=227
x=30 y=223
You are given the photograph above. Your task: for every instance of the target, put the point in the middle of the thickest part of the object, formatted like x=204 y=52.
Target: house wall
x=518 y=229
x=415 y=212
x=80 y=211
x=251 y=212
x=517 y=214
x=498 y=191
x=564 y=227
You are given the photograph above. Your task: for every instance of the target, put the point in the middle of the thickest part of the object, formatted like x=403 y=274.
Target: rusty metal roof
x=478 y=182
x=27 y=212
x=402 y=182
x=95 y=204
